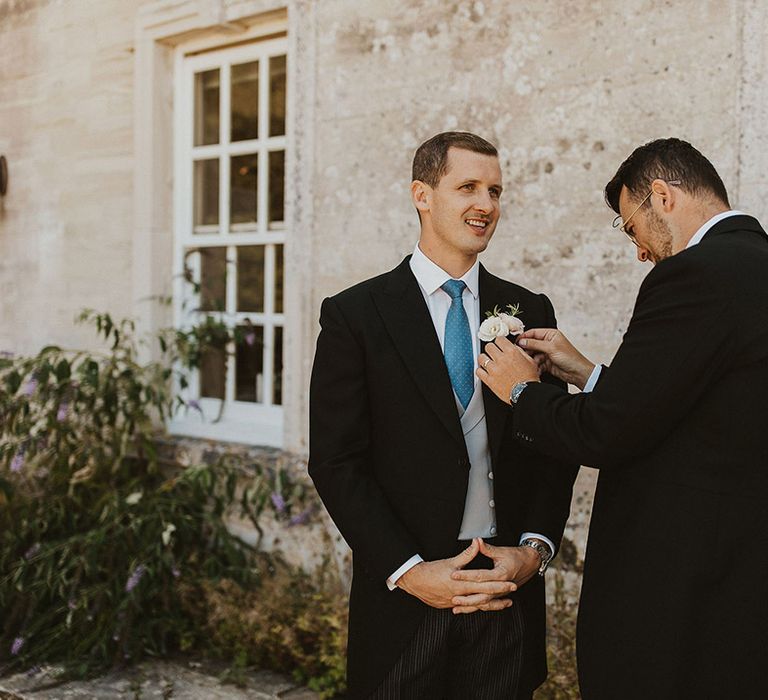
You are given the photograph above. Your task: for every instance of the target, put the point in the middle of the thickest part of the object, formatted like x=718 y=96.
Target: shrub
x=293 y=623
x=102 y=538
x=563 y=588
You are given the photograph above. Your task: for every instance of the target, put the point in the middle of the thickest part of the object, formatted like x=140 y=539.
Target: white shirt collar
x=431 y=276
x=696 y=238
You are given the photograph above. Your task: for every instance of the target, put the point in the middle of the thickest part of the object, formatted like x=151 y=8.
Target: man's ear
x=665 y=194
x=421 y=195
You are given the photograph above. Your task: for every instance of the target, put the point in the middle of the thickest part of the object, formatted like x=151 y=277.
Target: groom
x=407 y=452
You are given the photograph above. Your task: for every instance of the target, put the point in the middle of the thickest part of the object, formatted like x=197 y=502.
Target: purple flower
x=33 y=671
x=29 y=387
x=72 y=604
x=61 y=415
x=18 y=460
x=194 y=403
x=250 y=338
x=5 y=354
x=34 y=549
x=134 y=578
x=16 y=646
x=176 y=573
x=302 y=518
x=278 y=502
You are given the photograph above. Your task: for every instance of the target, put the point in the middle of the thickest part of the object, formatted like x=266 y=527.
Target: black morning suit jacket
x=388 y=458
x=675 y=594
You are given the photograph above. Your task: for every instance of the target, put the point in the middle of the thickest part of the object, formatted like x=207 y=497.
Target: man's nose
x=484 y=203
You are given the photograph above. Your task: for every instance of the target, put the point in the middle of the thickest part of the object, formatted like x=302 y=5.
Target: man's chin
x=479 y=244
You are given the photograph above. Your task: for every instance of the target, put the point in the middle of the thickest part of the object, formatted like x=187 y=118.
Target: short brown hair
x=430 y=162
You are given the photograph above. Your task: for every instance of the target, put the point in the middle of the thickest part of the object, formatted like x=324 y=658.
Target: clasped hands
x=445 y=583
x=504 y=364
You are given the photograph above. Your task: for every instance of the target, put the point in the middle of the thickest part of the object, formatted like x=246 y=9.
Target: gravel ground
x=160 y=679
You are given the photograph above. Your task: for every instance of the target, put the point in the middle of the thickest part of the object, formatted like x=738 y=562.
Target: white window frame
x=246 y=422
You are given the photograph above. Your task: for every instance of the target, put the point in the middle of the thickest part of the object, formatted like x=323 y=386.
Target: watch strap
x=543 y=551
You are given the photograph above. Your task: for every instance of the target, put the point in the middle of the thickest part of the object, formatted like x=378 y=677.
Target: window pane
x=245 y=101
x=276 y=186
x=212 y=374
x=277 y=382
x=249 y=365
x=207 y=107
x=250 y=278
x=277 y=96
x=213 y=279
x=242 y=182
x=206 y=200
x=278 y=279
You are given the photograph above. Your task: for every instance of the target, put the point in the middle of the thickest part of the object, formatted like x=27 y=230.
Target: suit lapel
x=496 y=412
x=407 y=320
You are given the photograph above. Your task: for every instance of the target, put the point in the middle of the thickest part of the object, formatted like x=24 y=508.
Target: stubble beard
x=661 y=236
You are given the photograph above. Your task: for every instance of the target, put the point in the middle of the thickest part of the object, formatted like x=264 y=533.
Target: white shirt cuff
x=592 y=381
x=415 y=559
x=537 y=536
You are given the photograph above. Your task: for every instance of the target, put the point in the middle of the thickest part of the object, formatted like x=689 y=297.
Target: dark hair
x=430 y=162
x=665 y=159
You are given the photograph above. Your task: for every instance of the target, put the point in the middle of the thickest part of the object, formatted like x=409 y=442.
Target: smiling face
x=459 y=214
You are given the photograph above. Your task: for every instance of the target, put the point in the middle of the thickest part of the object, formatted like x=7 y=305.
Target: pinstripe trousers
x=477 y=656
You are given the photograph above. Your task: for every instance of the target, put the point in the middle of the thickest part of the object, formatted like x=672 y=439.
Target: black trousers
x=477 y=656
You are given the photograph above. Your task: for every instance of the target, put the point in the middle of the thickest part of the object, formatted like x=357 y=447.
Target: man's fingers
x=504 y=344
x=495 y=604
x=535 y=345
x=463 y=558
x=474 y=578
x=476 y=575
x=538 y=334
x=524 y=355
x=462 y=610
x=492 y=350
x=490 y=588
x=473 y=599
x=488 y=549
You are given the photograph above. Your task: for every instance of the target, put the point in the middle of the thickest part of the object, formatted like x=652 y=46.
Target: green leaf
x=13 y=381
x=63 y=370
x=6 y=491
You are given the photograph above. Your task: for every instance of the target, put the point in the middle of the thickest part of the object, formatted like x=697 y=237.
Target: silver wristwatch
x=543 y=550
x=517 y=390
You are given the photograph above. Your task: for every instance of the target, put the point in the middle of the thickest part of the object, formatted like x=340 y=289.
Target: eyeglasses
x=622 y=225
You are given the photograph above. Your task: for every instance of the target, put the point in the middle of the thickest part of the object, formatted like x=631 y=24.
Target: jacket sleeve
x=339 y=450
x=549 y=502
x=675 y=346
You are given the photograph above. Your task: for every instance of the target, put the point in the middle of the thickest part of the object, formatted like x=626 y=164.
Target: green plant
x=292 y=622
x=99 y=533
x=562 y=581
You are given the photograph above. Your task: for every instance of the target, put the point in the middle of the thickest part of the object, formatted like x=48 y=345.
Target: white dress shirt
x=479 y=520
x=695 y=239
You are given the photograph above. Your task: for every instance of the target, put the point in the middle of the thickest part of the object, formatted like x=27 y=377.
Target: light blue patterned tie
x=457 y=346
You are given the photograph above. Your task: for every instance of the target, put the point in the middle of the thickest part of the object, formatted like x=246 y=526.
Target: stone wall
x=66 y=128
x=565 y=89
